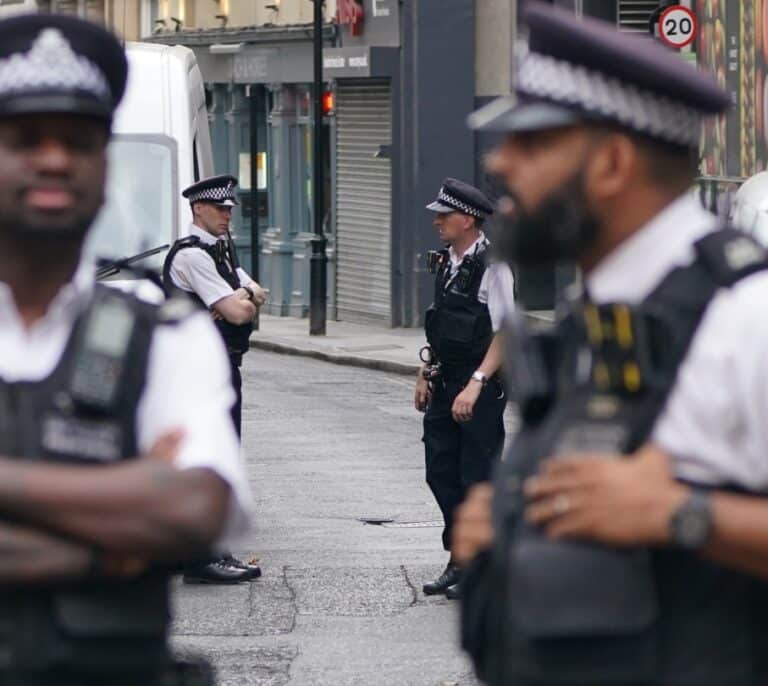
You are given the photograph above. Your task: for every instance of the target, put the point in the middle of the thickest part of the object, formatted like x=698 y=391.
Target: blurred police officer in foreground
x=629 y=527
x=118 y=453
x=204 y=264
x=458 y=387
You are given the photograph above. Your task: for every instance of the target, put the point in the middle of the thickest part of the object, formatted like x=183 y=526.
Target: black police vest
x=543 y=611
x=85 y=412
x=457 y=324
x=236 y=336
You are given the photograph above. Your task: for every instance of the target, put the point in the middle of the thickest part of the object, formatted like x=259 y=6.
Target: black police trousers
x=459 y=454
x=236 y=411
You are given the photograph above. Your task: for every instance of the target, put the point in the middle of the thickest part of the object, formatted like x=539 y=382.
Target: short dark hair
x=667 y=164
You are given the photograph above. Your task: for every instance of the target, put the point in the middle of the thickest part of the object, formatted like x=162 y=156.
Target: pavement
x=357 y=345
x=340 y=602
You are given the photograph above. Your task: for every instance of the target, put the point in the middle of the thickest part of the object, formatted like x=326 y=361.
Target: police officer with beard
x=204 y=265
x=625 y=540
x=459 y=389
x=118 y=458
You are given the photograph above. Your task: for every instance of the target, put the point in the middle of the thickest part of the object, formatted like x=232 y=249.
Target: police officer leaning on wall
x=118 y=454
x=204 y=265
x=459 y=390
x=626 y=537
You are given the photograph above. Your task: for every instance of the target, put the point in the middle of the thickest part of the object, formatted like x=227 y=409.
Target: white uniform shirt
x=194 y=271
x=497 y=286
x=715 y=425
x=179 y=393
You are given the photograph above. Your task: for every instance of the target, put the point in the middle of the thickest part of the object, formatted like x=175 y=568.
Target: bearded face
x=560 y=228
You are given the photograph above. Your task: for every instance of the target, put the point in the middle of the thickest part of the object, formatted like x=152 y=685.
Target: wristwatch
x=249 y=291
x=691 y=524
x=477 y=375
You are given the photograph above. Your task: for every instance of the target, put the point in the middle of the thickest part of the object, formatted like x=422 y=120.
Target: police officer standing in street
x=625 y=540
x=118 y=459
x=204 y=265
x=458 y=387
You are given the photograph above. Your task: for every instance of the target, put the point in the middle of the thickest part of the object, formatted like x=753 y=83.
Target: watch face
x=693 y=528
x=692 y=524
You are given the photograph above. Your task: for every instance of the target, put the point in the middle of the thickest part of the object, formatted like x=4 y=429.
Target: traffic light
x=329 y=103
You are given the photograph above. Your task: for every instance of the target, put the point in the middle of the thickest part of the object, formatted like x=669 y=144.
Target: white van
x=161 y=144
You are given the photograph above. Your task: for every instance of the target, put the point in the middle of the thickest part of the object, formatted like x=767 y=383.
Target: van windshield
x=141 y=206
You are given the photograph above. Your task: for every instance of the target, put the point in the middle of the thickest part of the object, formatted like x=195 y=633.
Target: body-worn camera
x=466 y=274
x=436 y=259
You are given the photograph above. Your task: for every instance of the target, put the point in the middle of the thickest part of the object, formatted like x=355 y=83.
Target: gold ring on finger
x=561 y=504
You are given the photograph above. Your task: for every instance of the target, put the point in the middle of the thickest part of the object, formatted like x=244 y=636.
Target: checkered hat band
x=213 y=194
x=51 y=64
x=594 y=92
x=452 y=201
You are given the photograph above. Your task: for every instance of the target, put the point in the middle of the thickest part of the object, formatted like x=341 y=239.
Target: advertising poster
x=733 y=45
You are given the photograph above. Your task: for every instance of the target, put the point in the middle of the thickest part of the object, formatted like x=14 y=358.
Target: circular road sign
x=677 y=26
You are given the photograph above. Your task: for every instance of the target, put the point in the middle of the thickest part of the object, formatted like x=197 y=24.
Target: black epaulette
x=730 y=255
x=188 y=242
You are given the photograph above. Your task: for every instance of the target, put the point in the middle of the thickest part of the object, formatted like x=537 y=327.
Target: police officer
x=204 y=264
x=626 y=538
x=119 y=458
x=211 y=274
x=459 y=389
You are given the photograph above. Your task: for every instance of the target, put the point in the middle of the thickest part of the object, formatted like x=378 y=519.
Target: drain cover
x=375 y=519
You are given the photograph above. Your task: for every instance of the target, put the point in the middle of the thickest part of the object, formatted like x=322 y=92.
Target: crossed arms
x=62 y=522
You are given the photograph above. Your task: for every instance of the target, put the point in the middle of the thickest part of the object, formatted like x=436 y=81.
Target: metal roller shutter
x=363 y=202
x=633 y=15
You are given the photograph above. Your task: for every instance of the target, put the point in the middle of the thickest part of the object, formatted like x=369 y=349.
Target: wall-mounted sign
x=351 y=13
x=250 y=66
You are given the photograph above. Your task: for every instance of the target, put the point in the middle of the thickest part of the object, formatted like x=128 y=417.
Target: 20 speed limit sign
x=677 y=26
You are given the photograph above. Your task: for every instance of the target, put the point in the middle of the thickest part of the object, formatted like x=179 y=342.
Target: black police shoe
x=449 y=577
x=254 y=570
x=217 y=572
x=453 y=592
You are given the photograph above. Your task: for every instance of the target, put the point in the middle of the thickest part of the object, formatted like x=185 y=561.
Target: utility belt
x=178 y=672
x=435 y=370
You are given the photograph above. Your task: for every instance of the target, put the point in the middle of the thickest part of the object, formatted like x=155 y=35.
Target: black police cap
x=458 y=196
x=59 y=63
x=219 y=190
x=585 y=69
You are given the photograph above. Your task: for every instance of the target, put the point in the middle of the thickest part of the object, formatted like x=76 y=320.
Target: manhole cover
x=412 y=525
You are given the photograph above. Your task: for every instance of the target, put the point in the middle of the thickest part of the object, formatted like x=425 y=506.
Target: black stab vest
x=85 y=412
x=537 y=610
x=236 y=336
x=457 y=325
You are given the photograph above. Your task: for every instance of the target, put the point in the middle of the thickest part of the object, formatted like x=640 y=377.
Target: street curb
x=333 y=358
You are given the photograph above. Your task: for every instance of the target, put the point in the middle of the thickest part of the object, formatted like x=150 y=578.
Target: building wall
x=494 y=28
x=206 y=14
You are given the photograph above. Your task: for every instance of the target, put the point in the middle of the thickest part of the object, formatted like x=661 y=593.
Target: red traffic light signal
x=329 y=103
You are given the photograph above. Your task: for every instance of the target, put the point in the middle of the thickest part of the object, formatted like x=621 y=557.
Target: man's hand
x=259 y=294
x=614 y=499
x=473 y=526
x=464 y=404
x=421 y=396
